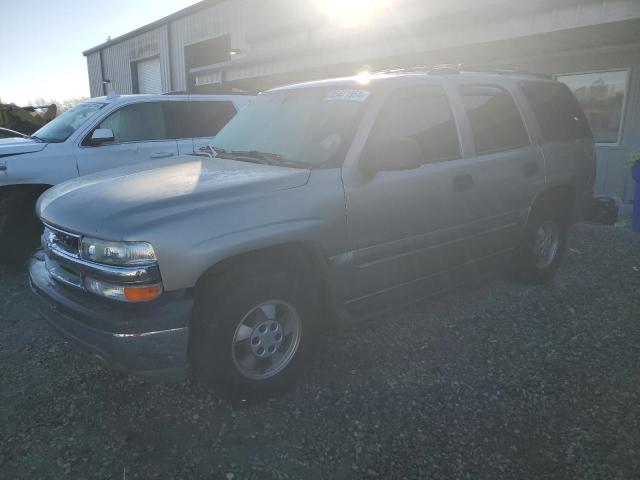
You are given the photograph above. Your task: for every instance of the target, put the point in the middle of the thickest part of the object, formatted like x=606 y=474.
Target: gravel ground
x=496 y=381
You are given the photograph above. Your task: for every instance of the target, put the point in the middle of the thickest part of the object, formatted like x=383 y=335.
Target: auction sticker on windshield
x=349 y=95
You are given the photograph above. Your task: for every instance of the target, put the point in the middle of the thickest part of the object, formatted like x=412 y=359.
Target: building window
x=601 y=95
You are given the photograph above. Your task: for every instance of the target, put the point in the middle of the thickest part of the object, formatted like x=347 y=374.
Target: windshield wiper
x=238 y=155
x=37 y=139
x=265 y=158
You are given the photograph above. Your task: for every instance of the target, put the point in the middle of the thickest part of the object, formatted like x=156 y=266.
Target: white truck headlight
x=117 y=253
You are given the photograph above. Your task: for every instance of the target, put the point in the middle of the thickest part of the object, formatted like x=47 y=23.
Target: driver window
x=424 y=116
x=136 y=123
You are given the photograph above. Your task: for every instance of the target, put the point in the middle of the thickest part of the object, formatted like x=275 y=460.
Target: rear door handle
x=530 y=169
x=462 y=182
x=162 y=155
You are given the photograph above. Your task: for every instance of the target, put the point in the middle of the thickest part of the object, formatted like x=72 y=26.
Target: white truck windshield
x=62 y=127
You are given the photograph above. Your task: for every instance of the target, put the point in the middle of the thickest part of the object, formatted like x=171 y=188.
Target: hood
x=118 y=202
x=17 y=146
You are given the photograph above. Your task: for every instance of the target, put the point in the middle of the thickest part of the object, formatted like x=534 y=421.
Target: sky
x=41 y=42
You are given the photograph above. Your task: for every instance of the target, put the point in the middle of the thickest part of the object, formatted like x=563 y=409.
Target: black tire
x=529 y=267
x=222 y=304
x=20 y=229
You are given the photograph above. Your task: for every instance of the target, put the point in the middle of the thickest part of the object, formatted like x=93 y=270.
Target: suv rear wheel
x=545 y=241
x=252 y=329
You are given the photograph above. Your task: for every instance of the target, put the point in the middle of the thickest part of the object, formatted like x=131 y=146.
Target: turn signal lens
x=123 y=293
x=142 y=294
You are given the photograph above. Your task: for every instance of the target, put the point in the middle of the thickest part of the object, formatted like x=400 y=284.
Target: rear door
x=195 y=123
x=139 y=134
x=506 y=167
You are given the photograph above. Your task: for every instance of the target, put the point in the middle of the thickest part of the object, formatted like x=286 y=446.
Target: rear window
x=495 y=121
x=195 y=119
x=557 y=111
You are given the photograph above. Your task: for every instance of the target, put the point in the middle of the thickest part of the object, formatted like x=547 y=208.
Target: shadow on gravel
x=494 y=381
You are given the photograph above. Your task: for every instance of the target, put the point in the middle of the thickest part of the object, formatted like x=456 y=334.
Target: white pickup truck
x=99 y=134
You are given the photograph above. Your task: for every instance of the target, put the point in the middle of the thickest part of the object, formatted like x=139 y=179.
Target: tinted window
x=197 y=119
x=422 y=115
x=136 y=123
x=495 y=121
x=557 y=111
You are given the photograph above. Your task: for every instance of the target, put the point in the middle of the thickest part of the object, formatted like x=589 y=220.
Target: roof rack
x=452 y=69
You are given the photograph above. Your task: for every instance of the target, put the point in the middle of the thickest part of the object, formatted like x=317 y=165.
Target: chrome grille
x=67 y=242
x=56 y=244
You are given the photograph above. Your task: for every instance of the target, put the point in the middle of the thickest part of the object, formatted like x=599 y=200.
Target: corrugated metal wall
x=95 y=74
x=117 y=60
x=278 y=36
x=220 y=19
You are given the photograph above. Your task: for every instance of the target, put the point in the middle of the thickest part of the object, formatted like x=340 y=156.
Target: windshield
x=62 y=127
x=307 y=126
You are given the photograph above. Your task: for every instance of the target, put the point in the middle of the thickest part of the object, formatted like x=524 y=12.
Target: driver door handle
x=162 y=155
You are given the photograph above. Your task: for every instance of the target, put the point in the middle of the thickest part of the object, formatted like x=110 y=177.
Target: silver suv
x=329 y=199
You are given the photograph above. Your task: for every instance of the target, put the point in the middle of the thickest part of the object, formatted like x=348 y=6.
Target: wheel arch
x=552 y=197
x=23 y=190
x=298 y=257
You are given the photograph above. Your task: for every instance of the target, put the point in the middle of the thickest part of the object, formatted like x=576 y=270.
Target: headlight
x=117 y=253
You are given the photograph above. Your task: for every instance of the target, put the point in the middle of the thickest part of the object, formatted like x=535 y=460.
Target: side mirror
x=102 y=135
x=392 y=154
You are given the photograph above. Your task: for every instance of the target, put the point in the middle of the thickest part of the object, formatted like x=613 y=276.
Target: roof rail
x=451 y=68
x=460 y=68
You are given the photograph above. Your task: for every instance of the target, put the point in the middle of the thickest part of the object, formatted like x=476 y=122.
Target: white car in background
x=99 y=134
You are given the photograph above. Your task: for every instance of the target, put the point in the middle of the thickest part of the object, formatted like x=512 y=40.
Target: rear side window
x=194 y=119
x=557 y=111
x=422 y=115
x=136 y=123
x=495 y=121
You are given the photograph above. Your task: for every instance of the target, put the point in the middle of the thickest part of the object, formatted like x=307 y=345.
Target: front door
x=400 y=221
x=139 y=133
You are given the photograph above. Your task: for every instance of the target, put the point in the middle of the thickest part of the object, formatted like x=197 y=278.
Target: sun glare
x=363 y=77
x=352 y=13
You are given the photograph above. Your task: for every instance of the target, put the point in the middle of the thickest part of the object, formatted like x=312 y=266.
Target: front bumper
x=149 y=340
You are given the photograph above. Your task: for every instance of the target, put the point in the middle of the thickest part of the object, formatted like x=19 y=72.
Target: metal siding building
x=281 y=41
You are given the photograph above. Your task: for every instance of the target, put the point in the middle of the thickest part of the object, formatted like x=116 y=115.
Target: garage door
x=149 y=76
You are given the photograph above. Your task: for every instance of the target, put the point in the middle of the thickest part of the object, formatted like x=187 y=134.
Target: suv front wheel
x=252 y=329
